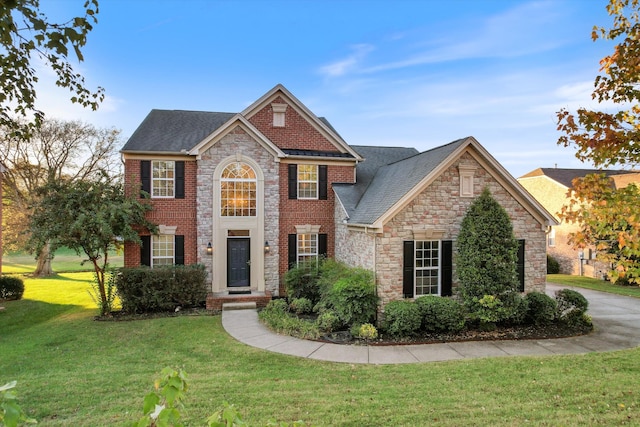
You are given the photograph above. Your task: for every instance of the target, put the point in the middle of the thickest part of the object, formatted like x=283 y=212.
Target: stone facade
x=355 y=248
x=237 y=144
x=440 y=209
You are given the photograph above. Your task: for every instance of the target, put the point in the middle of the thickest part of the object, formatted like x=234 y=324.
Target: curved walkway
x=616 y=320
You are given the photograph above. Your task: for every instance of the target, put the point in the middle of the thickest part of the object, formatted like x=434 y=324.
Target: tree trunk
x=43 y=268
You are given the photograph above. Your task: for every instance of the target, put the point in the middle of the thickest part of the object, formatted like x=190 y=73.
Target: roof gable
x=396 y=184
x=279 y=94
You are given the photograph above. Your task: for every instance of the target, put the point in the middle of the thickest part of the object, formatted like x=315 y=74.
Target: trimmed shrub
x=553 y=266
x=328 y=321
x=301 y=305
x=277 y=317
x=146 y=290
x=571 y=306
x=516 y=307
x=11 y=288
x=541 y=308
x=301 y=281
x=402 y=318
x=354 y=299
x=440 y=314
x=364 y=332
x=487 y=252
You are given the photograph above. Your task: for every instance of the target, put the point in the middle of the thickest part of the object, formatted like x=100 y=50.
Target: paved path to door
x=616 y=320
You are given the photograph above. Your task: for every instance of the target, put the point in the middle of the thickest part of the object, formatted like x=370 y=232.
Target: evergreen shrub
x=402 y=318
x=440 y=314
x=11 y=288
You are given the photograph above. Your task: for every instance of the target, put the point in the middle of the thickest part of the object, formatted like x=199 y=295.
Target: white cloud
x=351 y=62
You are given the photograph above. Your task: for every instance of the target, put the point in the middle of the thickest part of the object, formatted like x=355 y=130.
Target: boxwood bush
x=541 y=309
x=11 y=288
x=148 y=290
x=572 y=305
x=441 y=314
x=402 y=318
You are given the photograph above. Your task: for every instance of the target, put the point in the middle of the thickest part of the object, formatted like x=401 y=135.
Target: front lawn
x=65 y=260
x=595 y=284
x=72 y=370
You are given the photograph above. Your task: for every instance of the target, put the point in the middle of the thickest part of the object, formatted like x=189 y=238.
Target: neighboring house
x=249 y=194
x=550 y=186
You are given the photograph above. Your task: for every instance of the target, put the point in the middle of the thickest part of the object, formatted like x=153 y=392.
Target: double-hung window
x=307 y=181
x=163 y=178
x=427 y=267
x=162 y=250
x=307 y=247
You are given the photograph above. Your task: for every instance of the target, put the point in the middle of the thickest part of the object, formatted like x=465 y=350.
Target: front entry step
x=239 y=306
x=224 y=300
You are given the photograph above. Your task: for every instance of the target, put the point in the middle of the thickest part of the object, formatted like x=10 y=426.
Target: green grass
x=595 y=284
x=65 y=260
x=73 y=370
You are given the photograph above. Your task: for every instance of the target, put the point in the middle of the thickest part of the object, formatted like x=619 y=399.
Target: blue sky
x=395 y=73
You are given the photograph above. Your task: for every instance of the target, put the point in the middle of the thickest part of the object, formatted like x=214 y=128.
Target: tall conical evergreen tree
x=487 y=251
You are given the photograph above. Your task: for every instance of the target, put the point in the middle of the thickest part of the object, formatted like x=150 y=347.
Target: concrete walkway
x=616 y=320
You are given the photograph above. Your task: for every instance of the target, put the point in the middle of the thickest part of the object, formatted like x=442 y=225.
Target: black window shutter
x=447 y=268
x=145 y=251
x=145 y=176
x=407 y=270
x=322 y=182
x=322 y=245
x=178 y=250
x=520 y=265
x=293 y=250
x=293 y=181
x=179 y=180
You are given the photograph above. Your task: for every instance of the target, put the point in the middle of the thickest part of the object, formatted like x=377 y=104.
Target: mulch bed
x=523 y=332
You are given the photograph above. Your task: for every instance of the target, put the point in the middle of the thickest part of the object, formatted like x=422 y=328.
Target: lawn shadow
x=21 y=315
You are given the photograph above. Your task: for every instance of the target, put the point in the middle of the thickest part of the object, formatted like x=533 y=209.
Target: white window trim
x=316 y=182
x=235 y=182
x=307 y=256
x=153 y=257
x=173 y=180
x=416 y=268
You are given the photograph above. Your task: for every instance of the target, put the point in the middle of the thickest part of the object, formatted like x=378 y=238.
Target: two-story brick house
x=249 y=194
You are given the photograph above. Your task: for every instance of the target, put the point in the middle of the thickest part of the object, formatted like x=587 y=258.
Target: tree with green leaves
x=91 y=217
x=486 y=262
x=609 y=217
x=27 y=37
x=56 y=151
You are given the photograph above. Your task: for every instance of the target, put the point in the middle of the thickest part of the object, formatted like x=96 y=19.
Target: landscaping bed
x=520 y=332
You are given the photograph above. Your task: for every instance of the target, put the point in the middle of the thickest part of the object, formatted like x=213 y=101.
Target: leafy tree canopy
x=90 y=217
x=608 y=216
x=27 y=36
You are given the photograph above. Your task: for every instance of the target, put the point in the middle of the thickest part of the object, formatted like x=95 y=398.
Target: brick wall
x=297 y=133
x=170 y=212
x=313 y=212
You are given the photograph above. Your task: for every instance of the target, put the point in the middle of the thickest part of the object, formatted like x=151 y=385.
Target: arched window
x=238 y=190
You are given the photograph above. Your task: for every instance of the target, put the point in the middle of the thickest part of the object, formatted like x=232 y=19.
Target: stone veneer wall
x=238 y=141
x=354 y=248
x=440 y=207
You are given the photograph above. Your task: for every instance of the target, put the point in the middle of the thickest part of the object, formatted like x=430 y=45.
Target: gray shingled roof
x=386 y=175
x=171 y=131
x=566 y=176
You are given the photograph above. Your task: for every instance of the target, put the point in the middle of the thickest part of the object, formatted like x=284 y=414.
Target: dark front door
x=238 y=262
